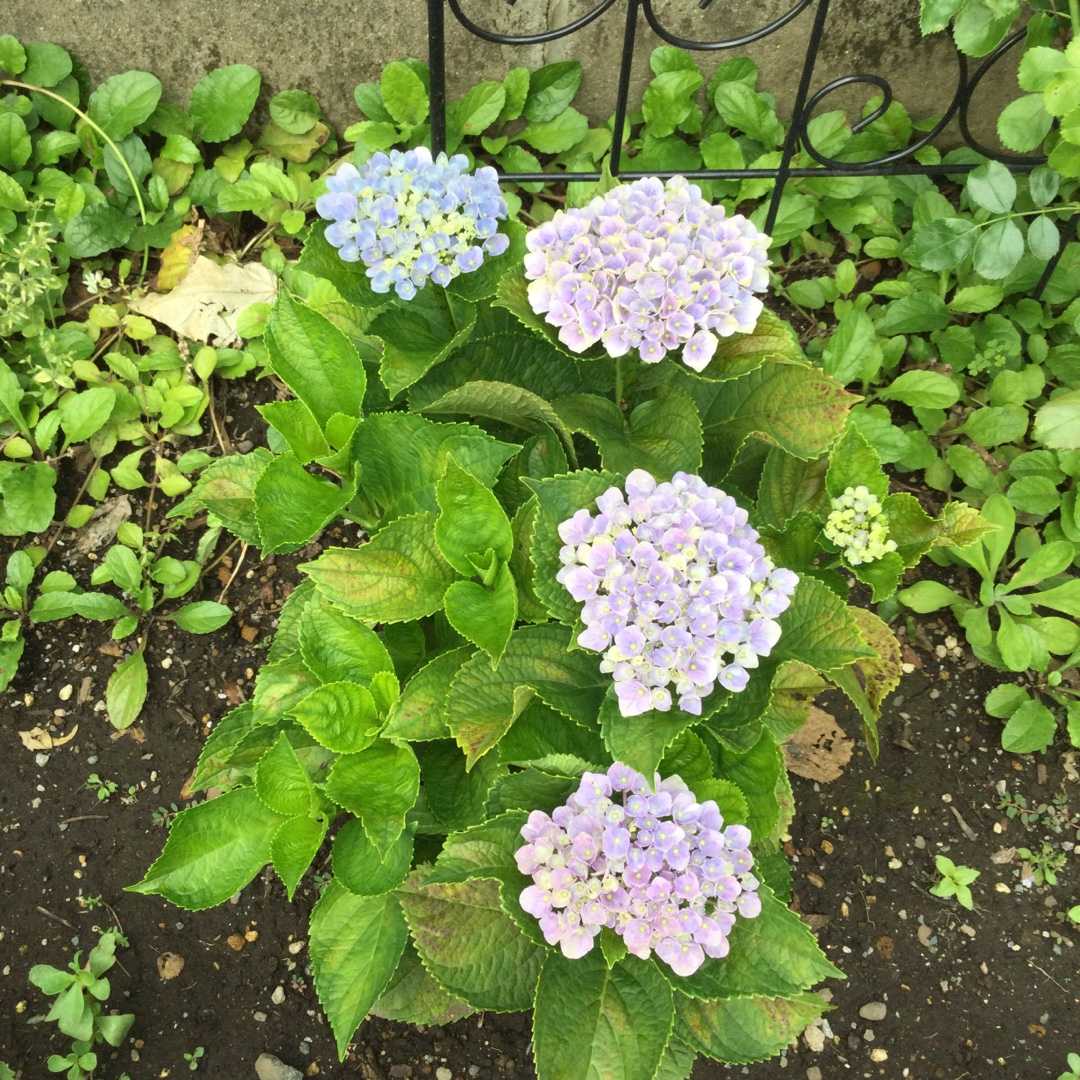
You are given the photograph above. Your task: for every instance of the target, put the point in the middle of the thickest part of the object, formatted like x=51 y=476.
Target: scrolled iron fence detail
x=896 y=163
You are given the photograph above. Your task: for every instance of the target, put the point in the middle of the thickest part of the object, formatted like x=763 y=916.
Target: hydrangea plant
x=434 y=705
x=857 y=526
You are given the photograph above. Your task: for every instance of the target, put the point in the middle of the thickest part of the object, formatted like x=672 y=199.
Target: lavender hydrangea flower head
x=675 y=590
x=411 y=218
x=648 y=266
x=656 y=867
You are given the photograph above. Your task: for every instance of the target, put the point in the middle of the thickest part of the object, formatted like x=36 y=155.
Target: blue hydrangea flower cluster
x=657 y=867
x=648 y=266
x=411 y=218
x=676 y=590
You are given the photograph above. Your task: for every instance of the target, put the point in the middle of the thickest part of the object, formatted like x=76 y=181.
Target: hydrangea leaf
x=420 y=333
x=661 y=436
x=529 y=789
x=592 y=1021
x=350 y=279
x=292 y=505
x=337 y=647
x=397 y=576
x=540 y=734
x=790 y=485
x=772 y=955
x=295 y=845
x=226 y=488
x=794 y=688
x=419 y=714
x=456 y=796
x=402 y=457
x=677 y=1062
x=483 y=702
x=365 y=870
x=341 y=716
x=279 y=686
x=761 y=776
x=414 y=997
x=318 y=362
x=469 y=945
x=640 y=741
x=507 y=404
x=740 y=1031
x=470 y=520
x=355 y=944
x=772 y=340
x=296 y=424
x=480 y=284
x=213 y=851
x=853 y=462
x=819 y=629
x=379 y=785
x=559 y=498
x=282 y=782
x=485 y=616
x=502 y=350
x=800 y=409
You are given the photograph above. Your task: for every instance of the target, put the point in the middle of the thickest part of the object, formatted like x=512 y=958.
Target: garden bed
x=862 y=850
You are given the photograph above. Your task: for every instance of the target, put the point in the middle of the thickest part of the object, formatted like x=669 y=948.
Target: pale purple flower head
x=676 y=590
x=411 y=218
x=648 y=266
x=656 y=867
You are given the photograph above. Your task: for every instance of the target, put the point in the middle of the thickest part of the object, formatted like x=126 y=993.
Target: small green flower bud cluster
x=858 y=527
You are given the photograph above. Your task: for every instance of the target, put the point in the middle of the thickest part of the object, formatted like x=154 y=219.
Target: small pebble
x=813 y=1073
x=278 y=996
x=874 y=1010
x=41 y=760
x=259 y=1017
x=443 y=1073
x=66 y=692
x=879 y=1055
x=815 y=1039
x=268 y=1067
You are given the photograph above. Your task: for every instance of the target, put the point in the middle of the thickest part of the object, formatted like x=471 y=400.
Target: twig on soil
x=236 y=570
x=223 y=439
x=1031 y=963
x=58 y=918
x=965 y=828
x=85 y=817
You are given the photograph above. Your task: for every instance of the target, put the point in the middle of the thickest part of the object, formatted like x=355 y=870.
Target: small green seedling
x=1073 y=1061
x=195 y=1057
x=955 y=881
x=80 y=992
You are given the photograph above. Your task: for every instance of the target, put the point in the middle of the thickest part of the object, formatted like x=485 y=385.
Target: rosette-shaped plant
x=676 y=590
x=411 y=218
x=652 y=864
x=649 y=266
x=857 y=526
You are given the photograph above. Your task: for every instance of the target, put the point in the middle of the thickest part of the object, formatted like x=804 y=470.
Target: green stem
x=108 y=142
x=1074 y=17
x=618 y=382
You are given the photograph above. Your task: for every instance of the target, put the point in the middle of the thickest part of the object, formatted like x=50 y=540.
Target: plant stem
x=619 y=379
x=1074 y=17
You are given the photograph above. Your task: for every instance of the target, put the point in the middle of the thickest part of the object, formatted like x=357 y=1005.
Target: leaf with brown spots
x=819 y=750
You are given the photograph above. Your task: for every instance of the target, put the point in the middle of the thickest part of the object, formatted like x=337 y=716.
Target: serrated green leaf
x=355 y=944
x=295 y=845
x=282 y=782
x=340 y=716
x=379 y=785
x=213 y=851
x=365 y=870
x=418 y=715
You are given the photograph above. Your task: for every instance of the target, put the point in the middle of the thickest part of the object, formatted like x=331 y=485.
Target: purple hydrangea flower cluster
x=657 y=867
x=675 y=588
x=411 y=218
x=648 y=266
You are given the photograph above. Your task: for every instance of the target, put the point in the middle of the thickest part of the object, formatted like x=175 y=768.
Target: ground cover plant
x=529 y=472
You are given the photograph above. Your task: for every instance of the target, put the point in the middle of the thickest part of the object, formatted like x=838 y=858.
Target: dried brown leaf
x=819 y=750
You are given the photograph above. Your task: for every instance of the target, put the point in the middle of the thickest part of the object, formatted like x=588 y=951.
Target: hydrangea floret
x=656 y=866
x=412 y=218
x=676 y=590
x=858 y=527
x=649 y=266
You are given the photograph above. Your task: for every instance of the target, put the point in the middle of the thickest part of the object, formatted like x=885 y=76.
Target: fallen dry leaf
x=205 y=305
x=179 y=256
x=819 y=750
x=169 y=965
x=37 y=738
x=101 y=528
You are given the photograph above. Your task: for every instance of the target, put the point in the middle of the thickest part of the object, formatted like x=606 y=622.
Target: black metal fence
x=897 y=163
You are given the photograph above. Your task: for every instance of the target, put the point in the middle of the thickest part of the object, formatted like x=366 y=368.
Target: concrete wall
x=327 y=46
